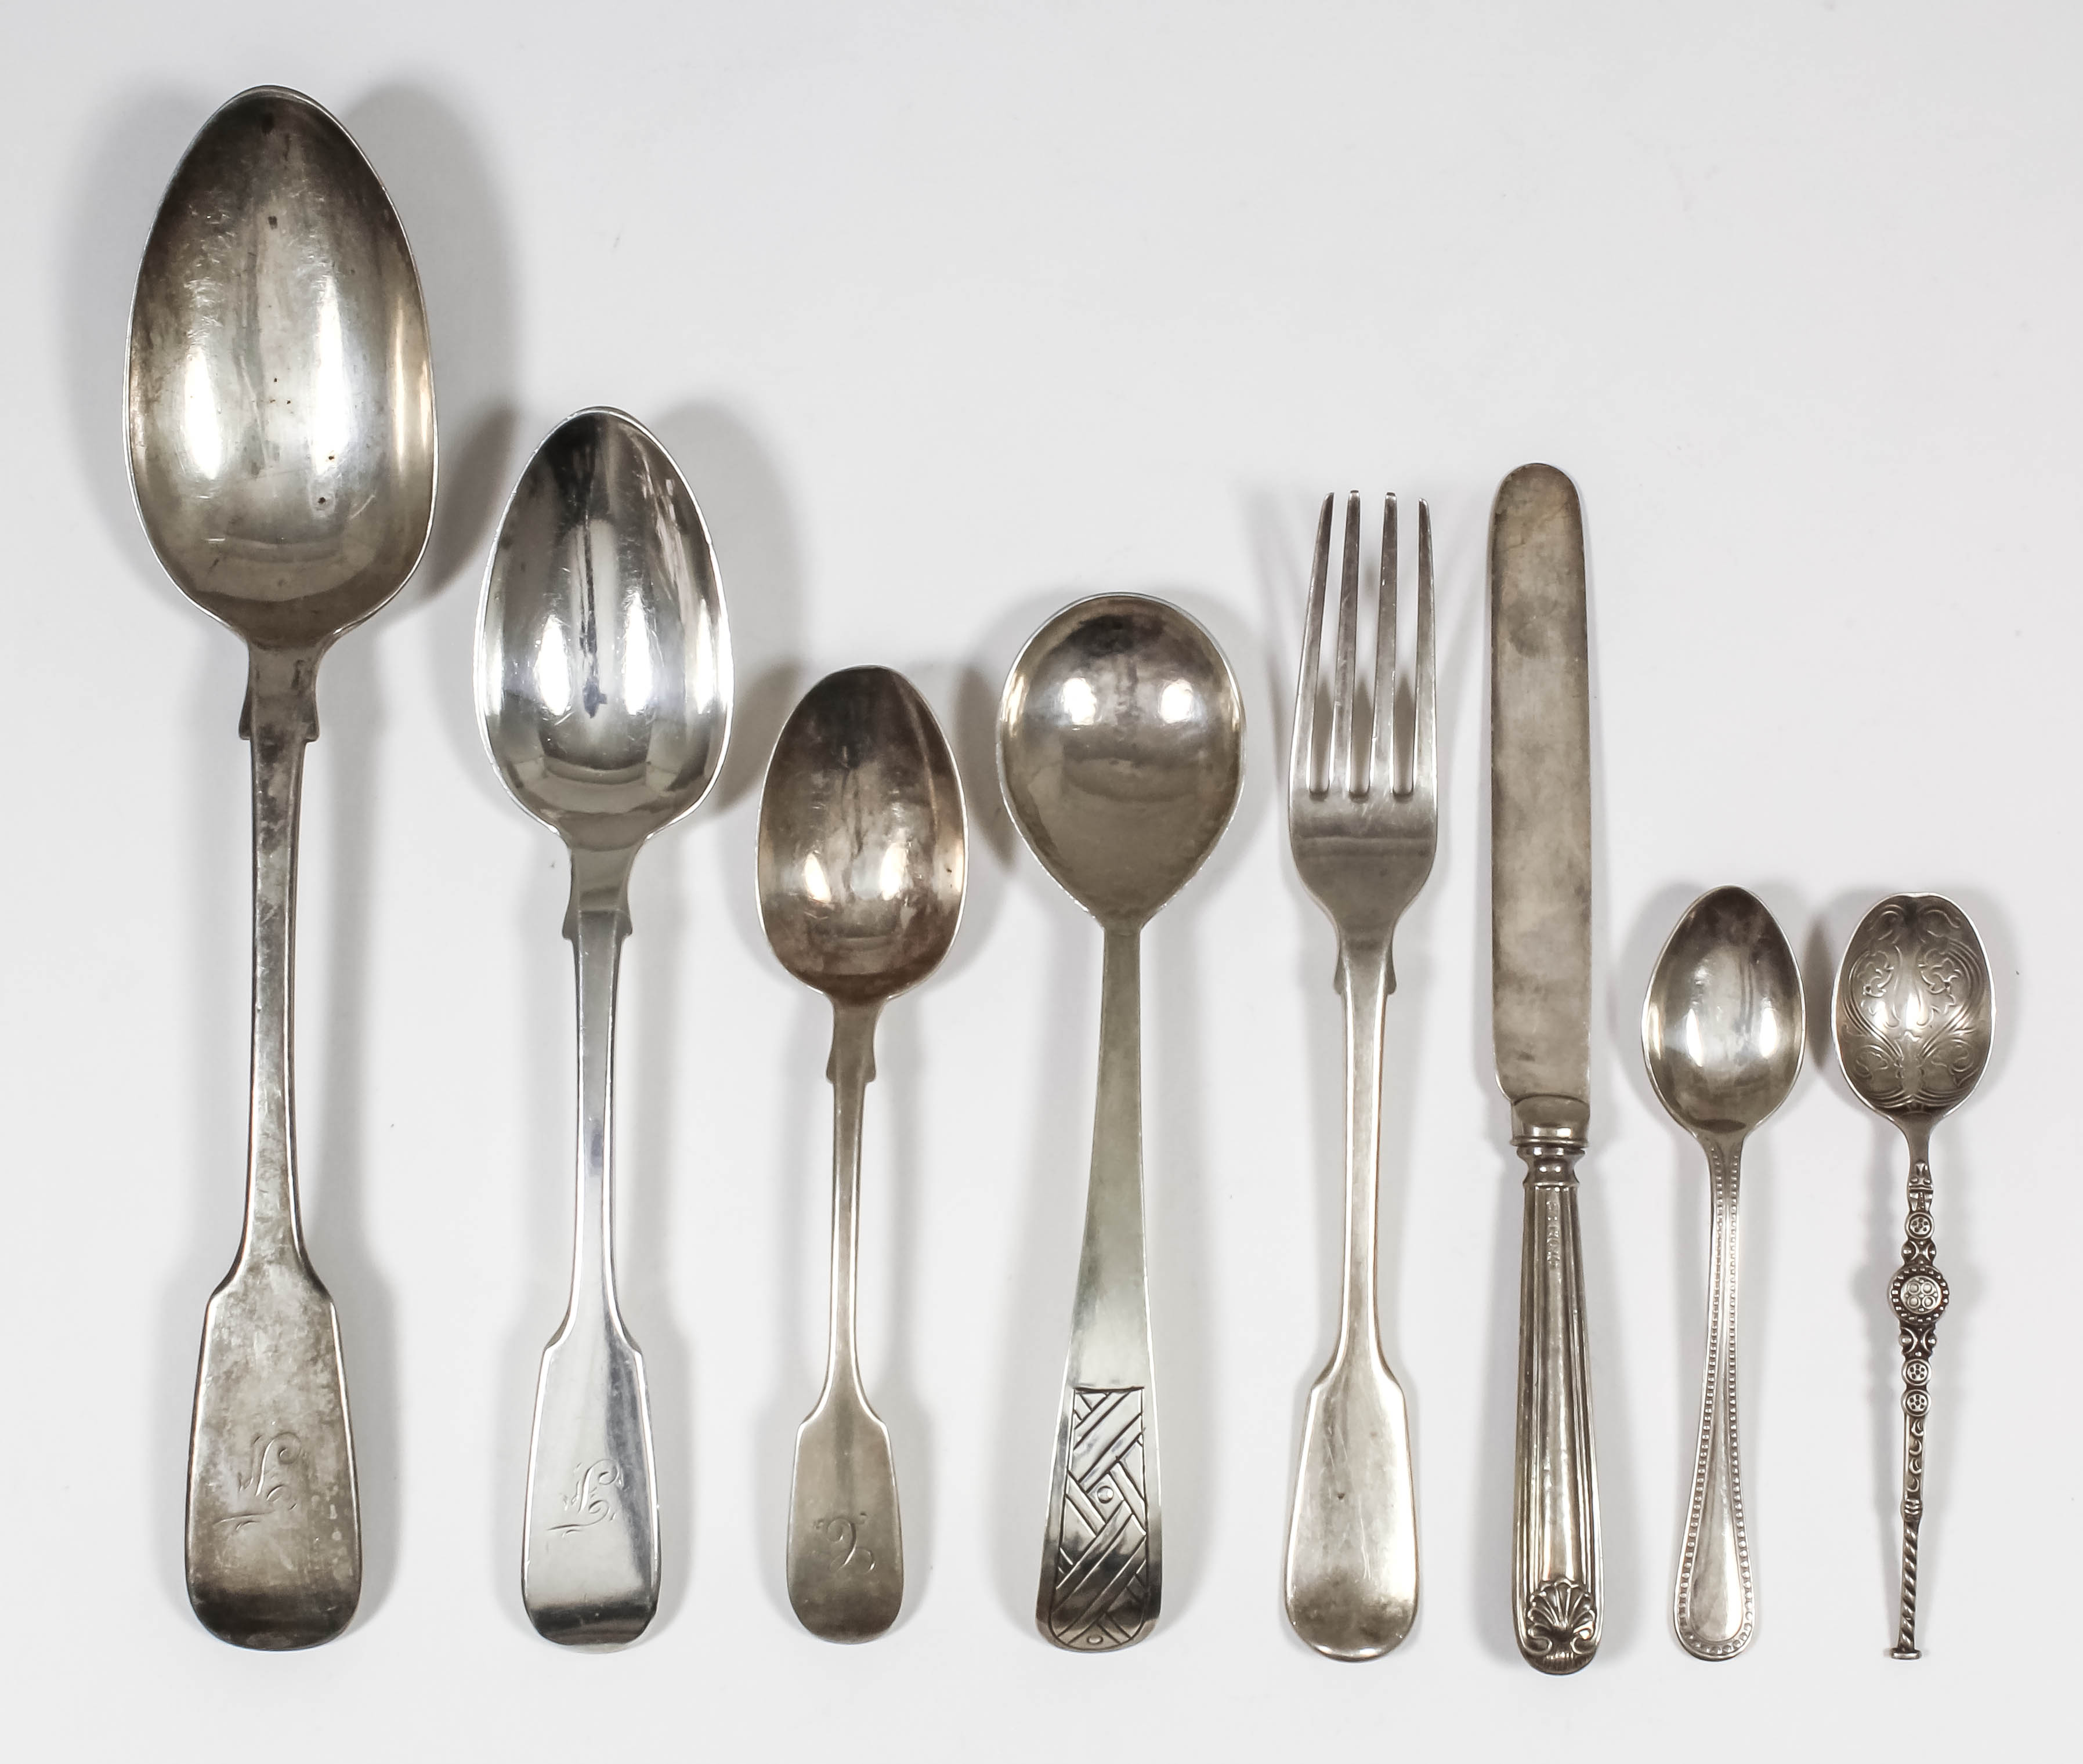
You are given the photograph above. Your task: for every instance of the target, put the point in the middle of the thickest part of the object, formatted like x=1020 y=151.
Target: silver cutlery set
x=282 y=437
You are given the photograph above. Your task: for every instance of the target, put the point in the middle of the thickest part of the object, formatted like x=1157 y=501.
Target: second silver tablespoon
x=603 y=677
x=861 y=866
x=1721 y=1034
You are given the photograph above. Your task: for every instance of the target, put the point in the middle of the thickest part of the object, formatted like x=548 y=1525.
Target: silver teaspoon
x=1120 y=751
x=860 y=868
x=281 y=439
x=603 y=679
x=1721 y=1034
x=1914 y=1015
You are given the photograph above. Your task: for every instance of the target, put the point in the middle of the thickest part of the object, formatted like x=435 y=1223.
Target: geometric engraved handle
x=1101 y=1593
x=1714 y=1610
x=1917 y=1295
x=1103 y=1553
x=1556 y=1571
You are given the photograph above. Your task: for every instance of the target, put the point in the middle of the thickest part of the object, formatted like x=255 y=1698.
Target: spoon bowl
x=1722 y=1030
x=281 y=395
x=1121 y=751
x=603 y=659
x=861 y=847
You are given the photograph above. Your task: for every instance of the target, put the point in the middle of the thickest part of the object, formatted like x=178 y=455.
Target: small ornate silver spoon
x=1913 y=1014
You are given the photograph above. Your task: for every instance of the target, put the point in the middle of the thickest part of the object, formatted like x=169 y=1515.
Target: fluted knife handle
x=1555 y=1555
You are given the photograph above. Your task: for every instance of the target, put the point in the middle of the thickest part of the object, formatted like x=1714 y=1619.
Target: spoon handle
x=1714 y=1608
x=590 y=1553
x=1917 y=1295
x=1351 y=1580
x=1557 y=1599
x=273 y=1542
x=1102 y=1556
x=846 y=1548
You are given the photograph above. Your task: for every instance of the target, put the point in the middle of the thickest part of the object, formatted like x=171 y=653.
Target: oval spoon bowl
x=603 y=661
x=281 y=395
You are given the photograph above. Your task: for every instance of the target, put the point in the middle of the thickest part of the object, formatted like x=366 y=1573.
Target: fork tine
x=1424 y=747
x=1383 y=777
x=1301 y=750
x=1342 y=763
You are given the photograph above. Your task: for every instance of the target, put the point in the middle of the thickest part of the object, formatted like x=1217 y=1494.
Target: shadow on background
x=132 y=147
x=737 y=484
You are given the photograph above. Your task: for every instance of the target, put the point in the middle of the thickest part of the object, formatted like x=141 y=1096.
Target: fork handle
x=1555 y=1553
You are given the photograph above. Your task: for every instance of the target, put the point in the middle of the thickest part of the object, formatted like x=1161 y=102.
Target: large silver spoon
x=281 y=439
x=603 y=679
x=1914 y=1015
x=1721 y=1034
x=860 y=867
x=1120 y=751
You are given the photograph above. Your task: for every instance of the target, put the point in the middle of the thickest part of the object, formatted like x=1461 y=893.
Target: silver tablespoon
x=861 y=860
x=1721 y=1034
x=603 y=679
x=1120 y=753
x=281 y=441
x=1914 y=1015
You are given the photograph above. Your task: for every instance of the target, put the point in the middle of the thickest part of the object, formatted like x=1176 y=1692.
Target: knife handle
x=1555 y=1552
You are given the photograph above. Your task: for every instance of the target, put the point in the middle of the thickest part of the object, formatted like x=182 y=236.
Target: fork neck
x=1366 y=977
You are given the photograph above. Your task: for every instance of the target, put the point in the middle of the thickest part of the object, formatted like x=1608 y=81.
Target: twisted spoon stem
x=1916 y=1295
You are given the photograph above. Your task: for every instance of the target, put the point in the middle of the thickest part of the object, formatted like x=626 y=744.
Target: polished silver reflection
x=1721 y=1032
x=603 y=679
x=1120 y=751
x=281 y=412
x=1363 y=849
x=861 y=866
x=1914 y=1015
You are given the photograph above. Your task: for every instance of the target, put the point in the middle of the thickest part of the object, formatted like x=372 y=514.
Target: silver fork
x=1363 y=849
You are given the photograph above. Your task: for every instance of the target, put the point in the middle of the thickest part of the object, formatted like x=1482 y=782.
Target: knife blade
x=1540 y=998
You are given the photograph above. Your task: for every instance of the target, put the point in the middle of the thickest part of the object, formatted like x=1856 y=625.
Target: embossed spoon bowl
x=280 y=416
x=1721 y=1035
x=861 y=868
x=604 y=682
x=1120 y=753
x=1914 y=1015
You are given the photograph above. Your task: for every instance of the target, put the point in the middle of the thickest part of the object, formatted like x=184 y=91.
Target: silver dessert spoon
x=861 y=866
x=603 y=679
x=1721 y=1034
x=281 y=441
x=1914 y=1015
x=1120 y=752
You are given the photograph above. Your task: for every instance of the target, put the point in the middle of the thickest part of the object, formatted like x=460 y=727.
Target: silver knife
x=1540 y=998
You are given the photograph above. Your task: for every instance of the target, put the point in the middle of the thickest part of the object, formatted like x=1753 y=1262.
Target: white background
x=951 y=314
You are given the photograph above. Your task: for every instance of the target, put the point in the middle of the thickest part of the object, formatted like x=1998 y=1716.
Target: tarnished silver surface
x=861 y=864
x=280 y=414
x=1363 y=849
x=1914 y=1015
x=604 y=682
x=1120 y=753
x=1540 y=1003
x=1721 y=1035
